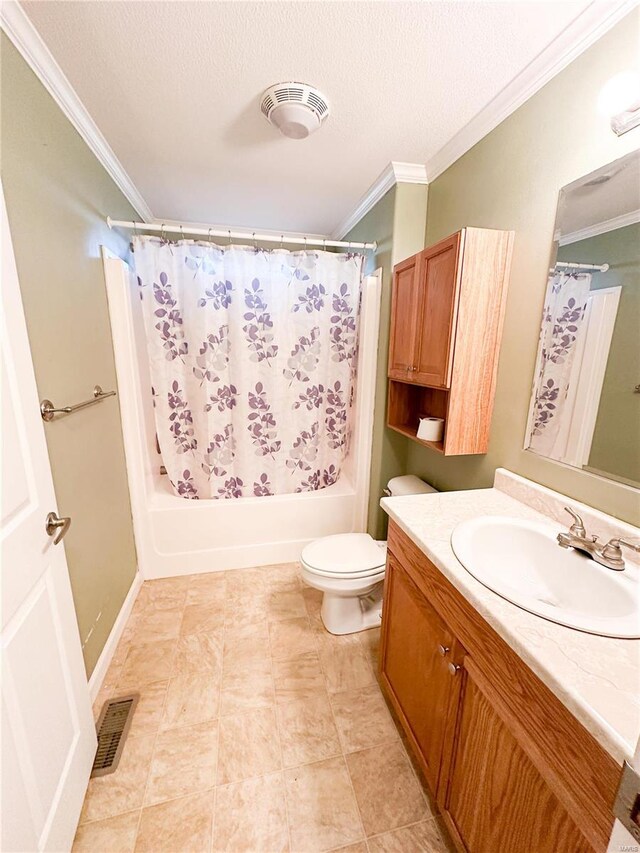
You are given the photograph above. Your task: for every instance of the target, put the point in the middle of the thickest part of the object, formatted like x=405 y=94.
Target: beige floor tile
x=298 y=678
x=284 y=604
x=148 y=662
x=358 y=847
x=123 y=790
x=422 y=837
x=246 y=645
x=313 y=603
x=113 y=835
x=344 y=662
x=201 y=618
x=148 y=713
x=208 y=589
x=291 y=638
x=247 y=688
x=321 y=807
x=184 y=762
x=250 y=816
x=284 y=576
x=386 y=806
x=191 y=698
x=165 y=592
x=307 y=730
x=362 y=718
x=244 y=610
x=160 y=623
x=370 y=642
x=199 y=653
x=179 y=826
x=249 y=746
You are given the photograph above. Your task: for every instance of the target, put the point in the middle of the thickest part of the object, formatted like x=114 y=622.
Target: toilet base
x=350 y=614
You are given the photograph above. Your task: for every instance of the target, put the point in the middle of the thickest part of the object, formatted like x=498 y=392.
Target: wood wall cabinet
x=447 y=312
x=510 y=767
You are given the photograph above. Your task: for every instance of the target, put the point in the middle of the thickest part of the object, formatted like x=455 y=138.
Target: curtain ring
x=255 y=244
x=181 y=232
x=162 y=237
x=209 y=235
x=324 y=244
x=305 y=243
x=135 y=228
x=282 y=241
x=229 y=233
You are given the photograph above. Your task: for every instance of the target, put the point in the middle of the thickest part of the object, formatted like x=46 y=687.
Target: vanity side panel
x=581 y=773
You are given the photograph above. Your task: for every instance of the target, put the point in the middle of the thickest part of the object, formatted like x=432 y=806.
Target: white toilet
x=349 y=569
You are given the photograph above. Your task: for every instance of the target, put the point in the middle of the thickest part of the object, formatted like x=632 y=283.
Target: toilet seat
x=345 y=556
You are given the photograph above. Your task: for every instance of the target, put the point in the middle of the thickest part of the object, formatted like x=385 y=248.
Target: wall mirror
x=585 y=404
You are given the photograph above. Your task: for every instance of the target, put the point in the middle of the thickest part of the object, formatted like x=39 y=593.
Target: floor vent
x=112 y=728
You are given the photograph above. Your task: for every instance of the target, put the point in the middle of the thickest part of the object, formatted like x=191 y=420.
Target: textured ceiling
x=175 y=88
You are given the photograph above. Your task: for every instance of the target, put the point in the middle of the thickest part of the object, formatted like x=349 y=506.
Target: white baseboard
x=101 y=667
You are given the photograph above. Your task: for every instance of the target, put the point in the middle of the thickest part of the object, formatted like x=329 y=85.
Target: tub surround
x=596 y=678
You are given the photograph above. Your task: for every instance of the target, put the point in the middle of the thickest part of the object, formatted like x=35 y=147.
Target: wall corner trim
x=107 y=653
x=394 y=173
x=596 y=20
x=27 y=40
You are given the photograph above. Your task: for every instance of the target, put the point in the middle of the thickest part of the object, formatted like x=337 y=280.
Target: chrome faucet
x=609 y=555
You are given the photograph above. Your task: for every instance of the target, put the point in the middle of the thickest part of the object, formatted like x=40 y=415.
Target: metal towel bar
x=48 y=410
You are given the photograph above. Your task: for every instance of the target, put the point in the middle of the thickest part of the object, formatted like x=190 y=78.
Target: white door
x=48 y=735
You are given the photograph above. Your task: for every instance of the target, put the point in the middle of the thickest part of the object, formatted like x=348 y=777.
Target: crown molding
x=631 y=218
x=395 y=173
x=27 y=40
x=599 y=17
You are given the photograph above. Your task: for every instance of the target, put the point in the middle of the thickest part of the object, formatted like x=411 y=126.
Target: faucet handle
x=613 y=550
x=577 y=528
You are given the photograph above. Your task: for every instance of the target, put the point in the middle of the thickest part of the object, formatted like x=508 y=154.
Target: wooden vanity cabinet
x=414 y=669
x=447 y=310
x=510 y=767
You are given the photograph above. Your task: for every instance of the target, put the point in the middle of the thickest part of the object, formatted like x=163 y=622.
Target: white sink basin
x=522 y=562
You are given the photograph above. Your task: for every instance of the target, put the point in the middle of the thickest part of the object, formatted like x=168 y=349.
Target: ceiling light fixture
x=296 y=109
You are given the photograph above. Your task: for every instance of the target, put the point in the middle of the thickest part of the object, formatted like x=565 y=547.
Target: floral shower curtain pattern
x=253 y=358
x=562 y=318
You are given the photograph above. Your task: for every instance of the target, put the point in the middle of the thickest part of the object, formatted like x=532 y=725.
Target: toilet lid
x=345 y=554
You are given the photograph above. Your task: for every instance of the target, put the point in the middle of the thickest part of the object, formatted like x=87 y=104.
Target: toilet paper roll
x=431 y=429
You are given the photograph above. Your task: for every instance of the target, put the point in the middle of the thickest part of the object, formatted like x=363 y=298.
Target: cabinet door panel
x=404 y=313
x=496 y=800
x=439 y=276
x=413 y=670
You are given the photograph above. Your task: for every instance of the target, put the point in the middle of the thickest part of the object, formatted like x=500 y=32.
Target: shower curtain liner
x=253 y=357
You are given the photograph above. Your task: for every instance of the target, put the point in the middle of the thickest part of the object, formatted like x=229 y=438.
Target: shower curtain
x=562 y=318
x=253 y=357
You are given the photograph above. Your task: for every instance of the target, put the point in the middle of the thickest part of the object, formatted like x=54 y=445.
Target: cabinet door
x=495 y=800
x=415 y=654
x=404 y=319
x=439 y=284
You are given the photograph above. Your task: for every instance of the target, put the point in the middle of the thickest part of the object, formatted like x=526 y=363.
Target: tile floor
x=256 y=730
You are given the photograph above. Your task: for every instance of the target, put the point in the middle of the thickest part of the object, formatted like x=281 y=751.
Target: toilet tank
x=408 y=484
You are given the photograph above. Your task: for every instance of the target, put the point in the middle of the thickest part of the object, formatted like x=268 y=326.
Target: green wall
x=57 y=196
x=397 y=224
x=510 y=180
x=616 y=438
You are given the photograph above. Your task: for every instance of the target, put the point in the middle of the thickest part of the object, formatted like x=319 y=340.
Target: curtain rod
x=574 y=266
x=238 y=235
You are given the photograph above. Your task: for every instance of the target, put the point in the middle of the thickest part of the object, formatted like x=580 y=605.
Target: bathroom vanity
x=519 y=725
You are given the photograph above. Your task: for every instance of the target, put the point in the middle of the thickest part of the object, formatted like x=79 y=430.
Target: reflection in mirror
x=585 y=404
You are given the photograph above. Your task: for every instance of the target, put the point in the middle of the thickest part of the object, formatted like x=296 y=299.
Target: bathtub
x=175 y=536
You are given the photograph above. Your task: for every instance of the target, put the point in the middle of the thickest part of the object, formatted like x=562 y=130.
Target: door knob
x=57 y=527
x=454 y=668
x=443 y=650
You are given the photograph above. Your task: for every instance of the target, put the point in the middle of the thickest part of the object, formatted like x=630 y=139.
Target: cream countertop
x=596 y=678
